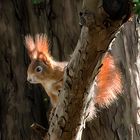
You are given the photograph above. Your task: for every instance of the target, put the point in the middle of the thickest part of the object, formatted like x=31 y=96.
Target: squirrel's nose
x=29 y=80
x=32 y=79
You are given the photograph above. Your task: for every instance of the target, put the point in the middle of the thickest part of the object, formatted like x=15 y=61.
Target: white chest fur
x=52 y=86
x=48 y=85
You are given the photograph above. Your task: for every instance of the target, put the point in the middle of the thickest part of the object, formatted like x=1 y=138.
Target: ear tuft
x=42 y=45
x=38 y=48
x=30 y=45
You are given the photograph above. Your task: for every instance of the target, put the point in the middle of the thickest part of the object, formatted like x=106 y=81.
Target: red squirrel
x=49 y=73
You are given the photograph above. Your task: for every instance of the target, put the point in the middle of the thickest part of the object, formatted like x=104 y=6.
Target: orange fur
x=52 y=71
x=38 y=48
x=108 y=80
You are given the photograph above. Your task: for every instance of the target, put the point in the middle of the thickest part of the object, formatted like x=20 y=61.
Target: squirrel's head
x=41 y=66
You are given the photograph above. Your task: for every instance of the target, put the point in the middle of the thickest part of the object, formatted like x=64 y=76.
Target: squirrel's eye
x=38 y=69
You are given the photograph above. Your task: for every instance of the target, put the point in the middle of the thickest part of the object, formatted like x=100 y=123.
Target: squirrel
x=49 y=73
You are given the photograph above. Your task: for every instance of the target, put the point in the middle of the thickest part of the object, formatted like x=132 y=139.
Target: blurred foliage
x=37 y=1
x=136 y=6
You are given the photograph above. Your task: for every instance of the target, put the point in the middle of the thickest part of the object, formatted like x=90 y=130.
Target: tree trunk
x=22 y=103
x=121 y=121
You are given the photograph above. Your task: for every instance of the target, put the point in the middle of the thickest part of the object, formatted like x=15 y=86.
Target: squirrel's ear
x=42 y=44
x=30 y=45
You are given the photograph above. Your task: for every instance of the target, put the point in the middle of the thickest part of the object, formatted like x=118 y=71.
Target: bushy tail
x=109 y=83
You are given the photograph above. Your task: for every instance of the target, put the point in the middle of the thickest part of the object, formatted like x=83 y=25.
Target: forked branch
x=97 y=32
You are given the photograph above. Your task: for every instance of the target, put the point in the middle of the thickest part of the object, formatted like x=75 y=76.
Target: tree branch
x=97 y=32
x=41 y=131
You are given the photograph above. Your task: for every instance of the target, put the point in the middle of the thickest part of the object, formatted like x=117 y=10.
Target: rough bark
x=21 y=103
x=121 y=120
x=81 y=70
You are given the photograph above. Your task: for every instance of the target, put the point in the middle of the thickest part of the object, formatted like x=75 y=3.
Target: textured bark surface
x=21 y=104
x=83 y=67
x=121 y=120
